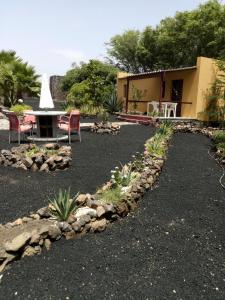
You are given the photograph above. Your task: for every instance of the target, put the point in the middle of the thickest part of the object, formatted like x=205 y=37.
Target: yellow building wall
x=151 y=90
x=207 y=75
x=196 y=83
x=189 y=95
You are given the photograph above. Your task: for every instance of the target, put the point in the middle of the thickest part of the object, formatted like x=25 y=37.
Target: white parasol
x=46 y=98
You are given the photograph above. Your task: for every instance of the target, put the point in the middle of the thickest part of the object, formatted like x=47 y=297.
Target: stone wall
x=55 y=88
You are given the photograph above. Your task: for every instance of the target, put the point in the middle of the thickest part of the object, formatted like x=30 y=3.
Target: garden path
x=172 y=247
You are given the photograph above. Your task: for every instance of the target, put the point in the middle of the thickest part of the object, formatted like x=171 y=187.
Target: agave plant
x=112 y=104
x=63 y=205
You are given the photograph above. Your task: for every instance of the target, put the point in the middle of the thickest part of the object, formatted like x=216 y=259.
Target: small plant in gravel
x=156 y=148
x=113 y=195
x=165 y=128
x=138 y=162
x=219 y=136
x=123 y=177
x=63 y=205
x=42 y=150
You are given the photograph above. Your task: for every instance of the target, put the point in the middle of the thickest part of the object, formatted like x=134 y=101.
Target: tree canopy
x=89 y=82
x=175 y=42
x=16 y=78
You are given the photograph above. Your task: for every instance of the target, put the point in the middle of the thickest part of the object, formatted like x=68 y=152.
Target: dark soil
x=92 y=159
x=172 y=247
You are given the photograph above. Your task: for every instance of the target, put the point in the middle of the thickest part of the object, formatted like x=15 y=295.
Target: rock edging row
x=49 y=157
x=29 y=235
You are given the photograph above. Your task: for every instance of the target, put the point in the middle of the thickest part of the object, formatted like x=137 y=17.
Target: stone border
x=105 y=127
x=49 y=157
x=28 y=235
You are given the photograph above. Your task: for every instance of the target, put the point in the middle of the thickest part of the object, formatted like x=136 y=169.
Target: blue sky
x=52 y=34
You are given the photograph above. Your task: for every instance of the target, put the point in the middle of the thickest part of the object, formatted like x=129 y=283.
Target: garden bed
x=170 y=248
x=48 y=157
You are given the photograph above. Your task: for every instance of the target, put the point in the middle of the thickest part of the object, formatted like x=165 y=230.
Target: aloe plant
x=63 y=205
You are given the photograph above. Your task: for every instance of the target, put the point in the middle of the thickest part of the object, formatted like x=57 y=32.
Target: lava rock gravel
x=172 y=247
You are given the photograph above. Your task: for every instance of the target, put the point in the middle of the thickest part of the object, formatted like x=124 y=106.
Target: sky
x=53 y=34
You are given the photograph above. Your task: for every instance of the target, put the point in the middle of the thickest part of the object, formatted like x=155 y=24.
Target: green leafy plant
x=156 y=148
x=68 y=106
x=165 y=128
x=42 y=150
x=113 y=195
x=219 y=136
x=104 y=116
x=138 y=162
x=137 y=96
x=124 y=176
x=90 y=110
x=20 y=108
x=63 y=205
x=112 y=104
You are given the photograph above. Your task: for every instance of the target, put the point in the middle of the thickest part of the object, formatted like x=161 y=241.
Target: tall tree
x=175 y=42
x=122 y=50
x=89 y=82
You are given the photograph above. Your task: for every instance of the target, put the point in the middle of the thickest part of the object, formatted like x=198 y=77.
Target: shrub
x=63 y=205
x=68 y=107
x=88 y=109
x=20 y=108
x=219 y=136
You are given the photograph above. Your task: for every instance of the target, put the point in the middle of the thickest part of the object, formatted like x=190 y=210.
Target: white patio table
x=47 y=125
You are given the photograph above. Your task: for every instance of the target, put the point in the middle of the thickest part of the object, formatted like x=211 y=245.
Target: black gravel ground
x=24 y=191
x=171 y=248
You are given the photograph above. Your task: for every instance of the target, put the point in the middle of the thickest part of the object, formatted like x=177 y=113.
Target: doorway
x=176 y=94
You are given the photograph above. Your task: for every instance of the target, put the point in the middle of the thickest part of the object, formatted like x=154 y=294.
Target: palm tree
x=16 y=78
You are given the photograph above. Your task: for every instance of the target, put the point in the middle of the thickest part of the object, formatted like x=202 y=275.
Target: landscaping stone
x=41 y=160
x=100 y=211
x=85 y=211
x=30 y=251
x=47 y=244
x=105 y=127
x=16 y=242
x=98 y=225
x=44 y=212
x=81 y=199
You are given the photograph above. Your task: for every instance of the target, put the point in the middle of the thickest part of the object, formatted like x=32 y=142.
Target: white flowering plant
x=123 y=178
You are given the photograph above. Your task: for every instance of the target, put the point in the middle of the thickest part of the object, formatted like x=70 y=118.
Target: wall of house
x=189 y=95
x=151 y=90
x=196 y=83
x=207 y=74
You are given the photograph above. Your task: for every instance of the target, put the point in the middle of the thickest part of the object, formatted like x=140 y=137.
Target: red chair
x=71 y=123
x=19 y=127
x=29 y=118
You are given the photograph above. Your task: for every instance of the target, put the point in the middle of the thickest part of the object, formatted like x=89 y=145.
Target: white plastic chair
x=172 y=107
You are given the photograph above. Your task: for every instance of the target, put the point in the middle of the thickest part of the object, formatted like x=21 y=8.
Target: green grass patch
x=113 y=195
